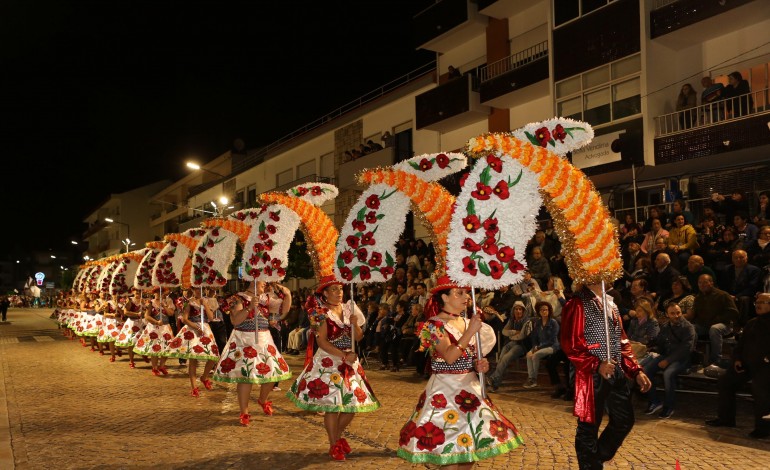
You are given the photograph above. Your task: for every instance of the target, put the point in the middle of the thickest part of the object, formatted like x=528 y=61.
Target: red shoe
x=132 y=365
x=195 y=393
x=267 y=407
x=155 y=372
x=112 y=358
x=343 y=443
x=207 y=383
x=245 y=419
x=336 y=452
x=163 y=370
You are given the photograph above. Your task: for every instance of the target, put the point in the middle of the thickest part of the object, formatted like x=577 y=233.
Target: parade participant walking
x=250 y=356
x=109 y=328
x=601 y=380
x=131 y=310
x=156 y=334
x=195 y=341
x=278 y=306
x=458 y=426
x=334 y=382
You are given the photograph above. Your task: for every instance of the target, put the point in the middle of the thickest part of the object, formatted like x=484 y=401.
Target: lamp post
x=127 y=243
x=195 y=166
x=223 y=200
x=128 y=227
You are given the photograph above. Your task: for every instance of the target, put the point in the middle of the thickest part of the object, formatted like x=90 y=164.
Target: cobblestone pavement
x=69 y=408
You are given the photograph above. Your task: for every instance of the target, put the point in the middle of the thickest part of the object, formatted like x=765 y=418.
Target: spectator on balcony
x=387 y=139
x=364 y=149
x=374 y=146
x=685 y=104
x=710 y=97
x=738 y=95
x=453 y=73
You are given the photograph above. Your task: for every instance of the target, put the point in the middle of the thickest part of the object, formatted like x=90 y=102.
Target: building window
x=602 y=95
x=251 y=196
x=306 y=169
x=284 y=177
x=565 y=11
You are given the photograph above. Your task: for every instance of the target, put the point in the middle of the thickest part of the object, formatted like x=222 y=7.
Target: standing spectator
x=387 y=139
x=710 y=97
x=4 y=304
x=749 y=363
x=679 y=206
x=601 y=371
x=675 y=344
x=409 y=340
x=738 y=95
x=685 y=104
x=714 y=314
x=742 y=281
x=545 y=340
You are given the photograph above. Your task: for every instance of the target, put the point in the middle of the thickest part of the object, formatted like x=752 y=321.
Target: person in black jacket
x=751 y=362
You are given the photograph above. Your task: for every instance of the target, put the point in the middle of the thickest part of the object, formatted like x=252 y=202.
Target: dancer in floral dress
x=90 y=321
x=156 y=333
x=250 y=356
x=195 y=341
x=459 y=426
x=111 y=324
x=335 y=381
x=131 y=310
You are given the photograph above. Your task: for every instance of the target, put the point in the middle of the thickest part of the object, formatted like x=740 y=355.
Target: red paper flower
x=375 y=260
x=515 y=266
x=495 y=162
x=482 y=192
x=425 y=164
x=501 y=190
x=274 y=216
x=467 y=401
x=346 y=273
x=362 y=254
x=352 y=241
x=490 y=226
x=301 y=191
x=543 y=136
x=316 y=191
x=469 y=266
x=496 y=269
x=559 y=134
x=367 y=238
x=442 y=160
x=373 y=202
x=347 y=256
x=489 y=246
x=470 y=245
x=471 y=223
x=359 y=225
x=429 y=436
x=506 y=254
x=365 y=273
x=371 y=217
x=387 y=271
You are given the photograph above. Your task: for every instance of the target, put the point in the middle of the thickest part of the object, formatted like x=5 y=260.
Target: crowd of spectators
x=363 y=149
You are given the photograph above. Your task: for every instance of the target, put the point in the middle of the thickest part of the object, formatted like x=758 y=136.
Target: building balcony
x=503 y=82
x=729 y=125
x=502 y=9
x=715 y=18
x=349 y=171
x=451 y=105
x=448 y=24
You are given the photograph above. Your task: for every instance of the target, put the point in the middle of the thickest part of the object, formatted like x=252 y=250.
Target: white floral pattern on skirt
x=246 y=360
x=108 y=332
x=152 y=340
x=187 y=344
x=90 y=324
x=129 y=333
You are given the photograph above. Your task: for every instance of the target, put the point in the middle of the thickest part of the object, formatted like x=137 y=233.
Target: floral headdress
x=124 y=277
x=143 y=275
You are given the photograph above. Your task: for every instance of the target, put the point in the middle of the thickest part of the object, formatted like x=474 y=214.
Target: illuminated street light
x=128 y=243
x=195 y=166
x=128 y=227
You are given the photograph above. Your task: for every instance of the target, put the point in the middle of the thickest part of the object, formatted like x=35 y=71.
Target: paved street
x=63 y=406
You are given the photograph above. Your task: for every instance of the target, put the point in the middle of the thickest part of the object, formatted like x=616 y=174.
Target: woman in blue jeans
x=545 y=341
x=675 y=343
x=517 y=329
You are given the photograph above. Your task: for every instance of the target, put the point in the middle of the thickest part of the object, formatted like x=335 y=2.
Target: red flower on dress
x=559 y=134
x=360 y=395
x=140 y=343
x=233 y=345
x=262 y=368
x=469 y=266
x=506 y=254
x=425 y=164
x=407 y=433
x=156 y=347
x=359 y=225
x=543 y=136
x=373 y=202
x=442 y=160
x=205 y=340
x=122 y=337
x=166 y=336
x=174 y=343
x=375 y=260
x=495 y=162
x=482 y=192
x=496 y=269
x=467 y=401
x=135 y=329
x=327 y=362
x=470 y=245
x=197 y=349
x=498 y=429
x=302 y=385
x=271 y=349
x=420 y=402
x=317 y=389
x=471 y=223
x=429 y=436
x=501 y=190
x=282 y=364
x=249 y=352
x=153 y=335
x=188 y=335
x=226 y=365
x=215 y=349
x=438 y=401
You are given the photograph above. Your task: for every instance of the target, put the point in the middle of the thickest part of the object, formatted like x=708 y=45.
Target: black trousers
x=732 y=381
x=614 y=397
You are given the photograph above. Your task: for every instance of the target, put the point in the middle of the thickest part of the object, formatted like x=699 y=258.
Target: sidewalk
x=68 y=407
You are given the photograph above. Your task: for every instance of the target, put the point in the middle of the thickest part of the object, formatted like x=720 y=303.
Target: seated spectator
x=642 y=269
x=632 y=252
x=545 y=340
x=682 y=239
x=383 y=323
x=391 y=339
x=643 y=327
x=661 y=246
x=656 y=213
x=742 y=281
x=745 y=231
x=298 y=336
x=728 y=206
x=721 y=254
x=370 y=337
x=738 y=95
x=629 y=225
x=763 y=210
x=681 y=294
x=711 y=97
x=708 y=234
x=347 y=156
x=662 y=277
x=638 y=290
x=538 y=267
x=356 y=153
x=364 y=149
x=759 y=250
x=714 y=314
x=679 y=206
x=686 y=103
x=749 y=363
x=421 y=294
x=656 y=231
x=390 y=297
x=674 y=345
x=373 y=146
x=409 y=340
x=518 y=330
x=695 y=267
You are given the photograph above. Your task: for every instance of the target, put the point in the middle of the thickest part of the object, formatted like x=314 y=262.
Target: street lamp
x=128 y=243
x=128 y=227
x=195 y=166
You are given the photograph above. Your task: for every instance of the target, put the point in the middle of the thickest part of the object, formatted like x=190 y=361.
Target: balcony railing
x=713 y=114
x=513 y=61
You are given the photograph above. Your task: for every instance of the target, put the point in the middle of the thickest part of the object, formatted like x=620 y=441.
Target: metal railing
x=513 y=61
x=713 y=114
x=663 y=3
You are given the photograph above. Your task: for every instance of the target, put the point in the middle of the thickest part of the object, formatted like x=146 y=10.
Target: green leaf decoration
x=340 y=262
x=414 y=165
x=355 y=270
x=361 y=213
x=244 y=372
x=471 y=207
x=448 y=448
x=262 y=226
x=389 y=259
x=347 y=398
x=485 y=442
x=532 y=139
x=380 y=216
x=484 y=268
x=384 y=196
x=552 y=142
x=518 y=178
x=485 y=175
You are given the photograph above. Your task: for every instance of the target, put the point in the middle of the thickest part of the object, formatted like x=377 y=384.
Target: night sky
x=105 y=96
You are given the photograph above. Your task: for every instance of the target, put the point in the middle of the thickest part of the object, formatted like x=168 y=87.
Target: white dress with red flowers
x=110 y=327
x=90 y=323
x=251 y=357
x=188 y=344
x=131 y=328
x=153 y=338
x=458 y=425
x=328 y=383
